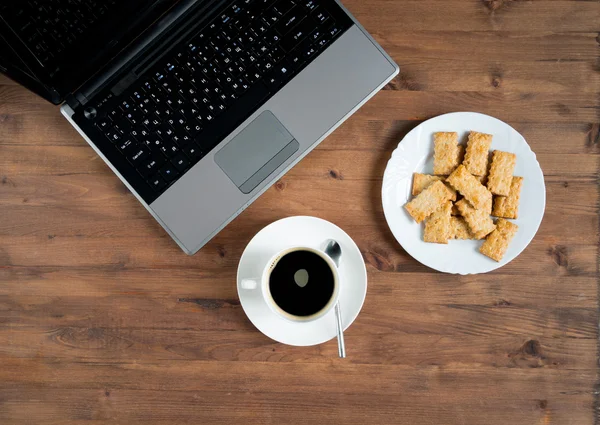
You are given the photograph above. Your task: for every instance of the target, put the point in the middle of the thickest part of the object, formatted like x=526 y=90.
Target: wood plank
x=468 y=16
x=256 y=393
x=117 y=345
x=509 y=107
x=5 y=81
x=476 y=75
x=489 y=46
x=47 y=127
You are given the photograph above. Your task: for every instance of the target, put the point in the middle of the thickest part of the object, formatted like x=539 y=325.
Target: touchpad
x=257 y=151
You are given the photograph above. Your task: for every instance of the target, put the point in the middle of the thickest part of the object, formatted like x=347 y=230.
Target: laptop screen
x=64 y=42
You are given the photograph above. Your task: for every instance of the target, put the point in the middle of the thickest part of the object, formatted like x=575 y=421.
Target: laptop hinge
x=72 y=101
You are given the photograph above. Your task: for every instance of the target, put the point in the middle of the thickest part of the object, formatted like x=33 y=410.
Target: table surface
x=104 y=320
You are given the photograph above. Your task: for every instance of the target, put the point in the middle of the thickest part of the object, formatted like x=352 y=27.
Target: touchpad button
x=257 y=151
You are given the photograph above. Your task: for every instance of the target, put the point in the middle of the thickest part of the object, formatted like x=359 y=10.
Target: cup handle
x=249 y=284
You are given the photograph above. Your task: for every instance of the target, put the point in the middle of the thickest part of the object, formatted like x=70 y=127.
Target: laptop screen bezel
x=90 y=57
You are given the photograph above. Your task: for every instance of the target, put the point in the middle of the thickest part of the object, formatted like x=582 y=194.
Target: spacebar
x=235 y=115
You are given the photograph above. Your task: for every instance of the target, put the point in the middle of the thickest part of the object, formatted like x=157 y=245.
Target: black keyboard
x=185 y=105
x=50 y=27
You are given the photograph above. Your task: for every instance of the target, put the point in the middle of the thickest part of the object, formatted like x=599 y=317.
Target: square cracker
x=471 y=189
x=477 y=154
x=428 y=201
x=479 y=221
x=497 y=242
x=423 y=181
x=460 y=229
x=501 y=171
x=508 y=206
x=437 y=226
x=445 y=153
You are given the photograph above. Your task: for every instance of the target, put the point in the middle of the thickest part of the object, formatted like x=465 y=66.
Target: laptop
x=197 y=106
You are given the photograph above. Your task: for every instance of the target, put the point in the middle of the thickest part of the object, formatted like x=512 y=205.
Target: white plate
x=309 y=232
x=414 y=154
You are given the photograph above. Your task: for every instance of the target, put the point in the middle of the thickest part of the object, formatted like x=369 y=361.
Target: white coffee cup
x=304 y=294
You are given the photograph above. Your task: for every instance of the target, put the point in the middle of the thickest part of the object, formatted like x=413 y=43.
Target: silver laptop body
x=270 y=141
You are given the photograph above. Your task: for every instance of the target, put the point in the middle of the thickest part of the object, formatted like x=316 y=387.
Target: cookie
x=497 y=242
x=508 y=206
x=460 y=229
x=501 y=171
x=422 y=182
x=471 y=189
x=479 y=221
x=445 y=153
x=437 y=226
x=477 y=153
x=428 y=201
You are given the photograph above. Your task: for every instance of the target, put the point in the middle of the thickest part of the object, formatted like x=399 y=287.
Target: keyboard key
x=169 y=172
x=276 y=54
x=290 y=20
x=333 y=30
x=193 y=129
x=295 y=60
x=265 y=65
x=253 y=75
x=247 y=37
x=126 y=145
x=114 y=136
x=283 y=6
x=323 y=41
x=103 y=124
x=259 y=27
x=151 y=165
x=157 y=183
x=180 y=162
x=261 y=48
x=133 y=117
x=170 y=149
x=183 y=138
x=298 y=34
x=154 y=143
x=320 y=15
x=271 y=17
x=192 y=151
x=273 y=81
x=138 y=155
x=315 y=35
x=310 y=52
x=272 y=37
x=309 y=4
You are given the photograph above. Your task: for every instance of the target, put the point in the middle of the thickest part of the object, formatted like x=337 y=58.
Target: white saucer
x=309 y=232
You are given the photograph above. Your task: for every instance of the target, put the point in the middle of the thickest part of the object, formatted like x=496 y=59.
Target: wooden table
x=104 y=320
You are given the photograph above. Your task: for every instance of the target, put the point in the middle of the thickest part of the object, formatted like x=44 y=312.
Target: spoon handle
x=340 y=331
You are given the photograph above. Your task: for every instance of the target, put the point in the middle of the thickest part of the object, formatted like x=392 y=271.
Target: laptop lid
x=53 y=47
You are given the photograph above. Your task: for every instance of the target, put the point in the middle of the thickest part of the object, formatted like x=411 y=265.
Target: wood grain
x=104 y=321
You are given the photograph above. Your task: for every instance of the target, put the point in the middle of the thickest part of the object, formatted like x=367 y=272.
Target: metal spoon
x=334 y=251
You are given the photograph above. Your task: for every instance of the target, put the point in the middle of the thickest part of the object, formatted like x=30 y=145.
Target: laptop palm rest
x=257 y=151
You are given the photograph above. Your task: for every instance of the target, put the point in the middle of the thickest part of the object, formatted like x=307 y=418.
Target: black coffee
x=301 y=283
